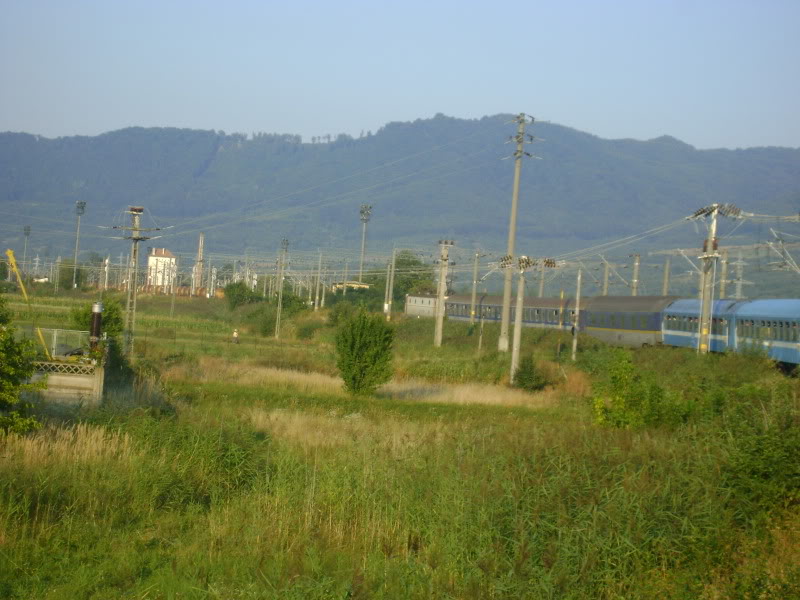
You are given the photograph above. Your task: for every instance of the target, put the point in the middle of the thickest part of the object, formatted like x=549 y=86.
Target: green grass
x=202 y=483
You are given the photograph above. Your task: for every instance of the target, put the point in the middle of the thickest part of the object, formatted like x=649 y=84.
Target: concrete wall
x=84 y=386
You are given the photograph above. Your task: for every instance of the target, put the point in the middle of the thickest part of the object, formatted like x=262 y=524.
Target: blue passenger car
x=771 y=325
x=681 y=322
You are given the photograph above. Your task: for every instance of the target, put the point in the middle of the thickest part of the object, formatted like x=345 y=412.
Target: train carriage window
x=642 y=322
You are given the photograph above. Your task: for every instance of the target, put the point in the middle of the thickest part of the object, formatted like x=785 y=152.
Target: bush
x=238 y=294
x=528 y=376
x=113 y=317
x=16 y=367
x=628 y=399
x=764 y=426
x=364 y=352
x=341 y=312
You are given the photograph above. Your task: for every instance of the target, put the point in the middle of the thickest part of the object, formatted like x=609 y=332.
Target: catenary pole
x=577 y=320
x=723 y=278
x=709 y=257
x=391 y=286
x=502 y=343
x=635 y=278
x=474 y=289
x=279 y=283
x=444 y=260
x=524 y=263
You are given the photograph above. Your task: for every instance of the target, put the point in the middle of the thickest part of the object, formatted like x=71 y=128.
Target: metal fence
x=59 y=341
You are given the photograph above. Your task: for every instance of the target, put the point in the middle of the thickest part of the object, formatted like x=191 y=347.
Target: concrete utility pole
x=174 y=287
x=524 y=264
x=80 y=208
x=317 y=283
x=324 y=286
x=665 y=278
x=577 y=320
x=723 y=278
x=444 y=261
x=136 y=236
x=635 y=278
x=279 y=283
x=27 y=231
x=386 y=288
x=390 y=299
x=710 y=256
x=541 y=282
x=606 y=270
x=474 y=289
x=365 y=212
x=106 y=267
x=197 y=270
x=344 y=283
x=739 y=264
x=521 y=120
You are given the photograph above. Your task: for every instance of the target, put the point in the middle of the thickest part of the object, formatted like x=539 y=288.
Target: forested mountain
x=433 y=178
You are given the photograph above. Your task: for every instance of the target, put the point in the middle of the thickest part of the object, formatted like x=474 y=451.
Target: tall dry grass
x=71 y=447
x=305 y=429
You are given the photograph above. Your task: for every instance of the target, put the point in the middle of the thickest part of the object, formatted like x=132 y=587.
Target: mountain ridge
x=427 y=179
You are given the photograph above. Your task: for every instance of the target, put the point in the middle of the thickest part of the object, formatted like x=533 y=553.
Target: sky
x=712 y=73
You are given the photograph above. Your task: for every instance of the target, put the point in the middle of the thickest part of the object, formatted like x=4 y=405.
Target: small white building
x=161 y=268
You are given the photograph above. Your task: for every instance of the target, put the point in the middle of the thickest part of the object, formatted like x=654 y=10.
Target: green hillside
x=433 y=178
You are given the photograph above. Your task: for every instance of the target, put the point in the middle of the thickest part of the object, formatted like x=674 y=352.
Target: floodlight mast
x=365 y=212
x=80 y=208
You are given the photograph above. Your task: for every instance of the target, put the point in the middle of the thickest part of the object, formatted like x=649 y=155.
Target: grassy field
x=245 y=471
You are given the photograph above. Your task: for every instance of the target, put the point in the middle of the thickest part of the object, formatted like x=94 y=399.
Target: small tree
x=16 y=368
x=364 y=352
x=528 y=376
x=113 y=321
x=238 y=294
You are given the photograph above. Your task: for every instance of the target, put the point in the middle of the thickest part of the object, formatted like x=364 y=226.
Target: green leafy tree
x=412 y=276
x=66 y=271
x=16 y=368
x=364 y=352
x=239 y=294
x=113 y=317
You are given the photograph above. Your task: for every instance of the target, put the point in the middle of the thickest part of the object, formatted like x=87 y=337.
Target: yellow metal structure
x=13 y=262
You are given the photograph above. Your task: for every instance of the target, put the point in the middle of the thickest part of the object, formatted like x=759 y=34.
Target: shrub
x=341 y=312
x=628 y=399
x=306 y=330
x=764 y=426
x=238 y=294
x=16 y=367
x=113 y=317
x=364 y=352
x=528 y=377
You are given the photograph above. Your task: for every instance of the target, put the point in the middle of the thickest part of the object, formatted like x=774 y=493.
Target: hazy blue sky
x=714 y=73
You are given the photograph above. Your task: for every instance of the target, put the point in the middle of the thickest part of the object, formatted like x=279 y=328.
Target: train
x=770 y=326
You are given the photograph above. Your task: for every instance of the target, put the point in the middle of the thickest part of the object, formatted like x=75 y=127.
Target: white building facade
x=161 y=269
